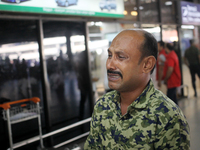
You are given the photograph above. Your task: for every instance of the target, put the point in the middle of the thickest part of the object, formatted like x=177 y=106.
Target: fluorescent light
x=98 y=23
x=92 y=23
x=152 y=30
x=141 y=7
x=187 y=26
x=168 y=3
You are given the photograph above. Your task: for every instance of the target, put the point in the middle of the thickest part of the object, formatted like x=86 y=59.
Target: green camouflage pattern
x=152 y=121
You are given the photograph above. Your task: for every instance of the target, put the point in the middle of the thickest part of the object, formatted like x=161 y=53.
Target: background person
x=192 y=60
x=135 y=115
x=160 y=66
x=172 y=72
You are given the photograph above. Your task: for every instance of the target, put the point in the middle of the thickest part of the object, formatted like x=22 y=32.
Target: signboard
x=190 y=13
x=97 y=8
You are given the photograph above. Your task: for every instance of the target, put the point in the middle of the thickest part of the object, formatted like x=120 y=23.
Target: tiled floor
x=191 y=109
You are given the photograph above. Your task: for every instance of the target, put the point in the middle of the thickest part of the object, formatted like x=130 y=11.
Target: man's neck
x=127 y=98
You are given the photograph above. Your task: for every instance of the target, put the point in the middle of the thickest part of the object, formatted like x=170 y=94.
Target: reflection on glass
x=130 y=10
x=153 y=29
x=98 y=56
x=168 y=11
x=19 y=73
x=19 y=69
x=149 y=11
x=68 y=72
x=169 y=33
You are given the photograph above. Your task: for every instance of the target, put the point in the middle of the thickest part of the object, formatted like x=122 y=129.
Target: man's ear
x=148 y=64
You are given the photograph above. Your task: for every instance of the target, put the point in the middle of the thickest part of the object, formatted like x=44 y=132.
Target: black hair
x=191 y=41
x=161 y=43
x=170 y=46
x=148 y=47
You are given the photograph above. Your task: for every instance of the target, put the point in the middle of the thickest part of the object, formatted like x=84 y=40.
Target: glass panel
x=147 y=1
x=168 y=11
x=185 y=35
x=68 y=73
x=98 y=46
x=20 y=76
x=149 y=11
x=153 y=29
x=169 y=33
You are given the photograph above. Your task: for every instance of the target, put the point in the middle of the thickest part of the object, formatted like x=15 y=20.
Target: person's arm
x=168 y=74
x=174 y=135
x=161 y=63
x=160 y=74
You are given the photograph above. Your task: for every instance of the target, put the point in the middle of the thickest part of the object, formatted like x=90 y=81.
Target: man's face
x=124 y=70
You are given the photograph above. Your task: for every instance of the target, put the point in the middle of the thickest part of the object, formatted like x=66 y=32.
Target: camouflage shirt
x=152 y=121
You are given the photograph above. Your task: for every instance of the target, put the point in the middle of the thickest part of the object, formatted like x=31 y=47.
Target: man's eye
x=109 y=55
x=121 y=57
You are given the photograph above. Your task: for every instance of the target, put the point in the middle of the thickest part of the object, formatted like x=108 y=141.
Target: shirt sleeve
x=161 y=59
x=170 y=62
x=174 y=135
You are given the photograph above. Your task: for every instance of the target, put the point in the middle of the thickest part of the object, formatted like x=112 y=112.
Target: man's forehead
x=125 y=38
x=131 y=34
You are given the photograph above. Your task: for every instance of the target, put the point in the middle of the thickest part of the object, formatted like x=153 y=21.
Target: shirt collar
x=142 y=100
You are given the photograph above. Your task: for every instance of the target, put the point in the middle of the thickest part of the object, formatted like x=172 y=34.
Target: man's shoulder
x=162 y=106
x=191 y=48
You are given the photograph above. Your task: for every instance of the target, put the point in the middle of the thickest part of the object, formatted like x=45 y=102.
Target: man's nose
x=111 y=64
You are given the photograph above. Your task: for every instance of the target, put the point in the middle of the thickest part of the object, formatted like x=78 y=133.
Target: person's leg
x=171 y=93
x=192 y=72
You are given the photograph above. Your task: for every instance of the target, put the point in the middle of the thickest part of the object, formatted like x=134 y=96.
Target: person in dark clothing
x=192 y=60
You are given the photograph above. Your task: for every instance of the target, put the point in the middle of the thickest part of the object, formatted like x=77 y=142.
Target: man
x=160 y=63
x=135 y=115
x=192 y=60
x=172 y=72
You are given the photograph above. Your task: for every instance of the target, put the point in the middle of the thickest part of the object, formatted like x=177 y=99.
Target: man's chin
x=112 y=86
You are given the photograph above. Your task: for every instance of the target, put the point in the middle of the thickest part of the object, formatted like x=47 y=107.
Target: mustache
x=115 y=72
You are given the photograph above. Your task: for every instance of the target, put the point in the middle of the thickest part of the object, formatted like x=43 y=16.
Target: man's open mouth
x=113 y=75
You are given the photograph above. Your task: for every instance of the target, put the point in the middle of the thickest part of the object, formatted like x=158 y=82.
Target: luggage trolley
x=19 y=111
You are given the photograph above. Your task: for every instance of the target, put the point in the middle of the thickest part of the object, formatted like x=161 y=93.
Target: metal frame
x=36 y=138
x=30 y=112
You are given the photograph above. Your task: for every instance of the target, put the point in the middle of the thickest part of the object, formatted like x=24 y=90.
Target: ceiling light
x=134 y=13
x=141 y=7
x=187 y=26
x=168 y=3
x=98 y=23
x=125 y=12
